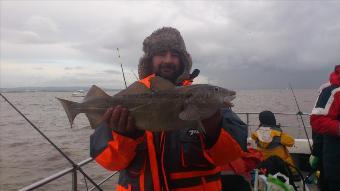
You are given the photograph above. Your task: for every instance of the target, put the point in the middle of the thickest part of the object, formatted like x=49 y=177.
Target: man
x=180 y=160
x=325 y=123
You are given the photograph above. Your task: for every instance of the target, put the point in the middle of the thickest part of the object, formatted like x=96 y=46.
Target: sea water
x=26 y=157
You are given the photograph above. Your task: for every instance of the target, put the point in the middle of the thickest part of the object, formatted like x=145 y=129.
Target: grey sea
x=26 y=157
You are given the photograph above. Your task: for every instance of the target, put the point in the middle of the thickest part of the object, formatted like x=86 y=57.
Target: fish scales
x=164 y=107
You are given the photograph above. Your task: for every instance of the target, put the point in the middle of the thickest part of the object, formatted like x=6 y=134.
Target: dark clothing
x=317 y=144
x=234 y=183
x=317 y=151
x=331 y=162
x=235 y=127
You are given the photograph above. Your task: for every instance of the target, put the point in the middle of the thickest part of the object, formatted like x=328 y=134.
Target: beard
x=168 y=71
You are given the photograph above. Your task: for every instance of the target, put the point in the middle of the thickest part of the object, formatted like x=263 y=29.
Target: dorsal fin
x=95 y=92
x=159 y=84
x=135 y=88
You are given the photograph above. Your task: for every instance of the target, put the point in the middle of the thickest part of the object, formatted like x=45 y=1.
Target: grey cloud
x=233 y=43
x=41 y=24
x=128 y=38
x=295 y=41
x=268 y=77
x=34 y=30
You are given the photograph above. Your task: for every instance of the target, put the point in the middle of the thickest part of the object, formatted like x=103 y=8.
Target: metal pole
x=54 y=176
x=256 y=180
x=134 y=74
x=300 y=114
x=247 y=116
x=74 y=180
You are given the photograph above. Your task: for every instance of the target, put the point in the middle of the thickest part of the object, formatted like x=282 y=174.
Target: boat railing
x=247 y=114
x=64 y=172
x=74 y=170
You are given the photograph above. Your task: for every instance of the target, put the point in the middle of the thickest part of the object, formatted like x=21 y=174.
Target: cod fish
x=162 y=107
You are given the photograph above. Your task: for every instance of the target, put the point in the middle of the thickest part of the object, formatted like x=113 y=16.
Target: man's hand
x=119 y=120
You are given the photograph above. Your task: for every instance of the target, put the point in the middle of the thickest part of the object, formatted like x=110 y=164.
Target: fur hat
x=166 y=38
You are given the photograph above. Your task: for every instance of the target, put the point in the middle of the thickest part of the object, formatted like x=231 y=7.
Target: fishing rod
x=121 y=66
x=134 y=74
x=54 y=145
x=300 y=114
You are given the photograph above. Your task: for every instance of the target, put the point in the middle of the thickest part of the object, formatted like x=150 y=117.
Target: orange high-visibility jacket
x=244 y=165
x=177 y=160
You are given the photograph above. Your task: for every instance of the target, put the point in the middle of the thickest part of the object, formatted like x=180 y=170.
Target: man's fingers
x=108 y=114
x=130 y=124
x=119 y=119
x=115 y=116
x=123 y=119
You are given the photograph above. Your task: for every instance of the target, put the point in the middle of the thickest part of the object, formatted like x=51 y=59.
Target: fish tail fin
x=69 y=109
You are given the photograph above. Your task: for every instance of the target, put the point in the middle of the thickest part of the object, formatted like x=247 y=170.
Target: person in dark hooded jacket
x=324 y=121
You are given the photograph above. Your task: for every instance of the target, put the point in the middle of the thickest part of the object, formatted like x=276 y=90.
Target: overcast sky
x=236 y=45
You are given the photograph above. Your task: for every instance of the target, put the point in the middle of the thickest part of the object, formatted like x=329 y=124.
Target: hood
x=334 y=77
x=166 y=38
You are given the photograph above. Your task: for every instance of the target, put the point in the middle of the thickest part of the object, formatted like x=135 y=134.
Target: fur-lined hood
x=166 y=38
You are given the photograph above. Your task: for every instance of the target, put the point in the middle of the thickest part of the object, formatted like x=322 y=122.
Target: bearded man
x=179 y=160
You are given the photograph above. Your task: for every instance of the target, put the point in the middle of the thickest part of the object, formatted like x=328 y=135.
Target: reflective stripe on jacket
x=175 y=160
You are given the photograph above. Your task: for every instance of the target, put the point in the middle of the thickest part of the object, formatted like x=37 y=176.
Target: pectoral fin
x=191 y=112
x=207 y=112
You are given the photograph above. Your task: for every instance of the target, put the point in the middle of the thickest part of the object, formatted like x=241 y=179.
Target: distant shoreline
x=73 y=89
x=48 y=89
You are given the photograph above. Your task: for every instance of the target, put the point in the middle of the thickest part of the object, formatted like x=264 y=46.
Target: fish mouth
x=229 y=98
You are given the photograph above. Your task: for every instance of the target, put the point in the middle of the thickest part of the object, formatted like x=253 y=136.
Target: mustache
x=167 y=66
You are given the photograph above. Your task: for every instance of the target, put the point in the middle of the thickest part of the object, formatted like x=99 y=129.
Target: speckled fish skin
x=163 y=107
